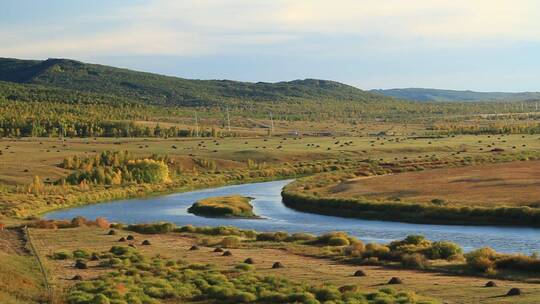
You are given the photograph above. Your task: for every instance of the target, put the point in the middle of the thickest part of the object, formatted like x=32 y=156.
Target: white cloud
x=192 y=27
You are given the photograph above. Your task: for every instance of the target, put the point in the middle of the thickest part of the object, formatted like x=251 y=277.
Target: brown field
x=447 y=288
x=21 y=159
x=514 y=183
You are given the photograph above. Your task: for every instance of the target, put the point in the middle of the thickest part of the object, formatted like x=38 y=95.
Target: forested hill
x=165 y=90
x=420 y=94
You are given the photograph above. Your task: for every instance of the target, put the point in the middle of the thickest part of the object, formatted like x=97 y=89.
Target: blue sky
x=475 y=44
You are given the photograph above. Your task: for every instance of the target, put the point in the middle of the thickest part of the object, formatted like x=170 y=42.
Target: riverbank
x=21 y=204
x=302 y=195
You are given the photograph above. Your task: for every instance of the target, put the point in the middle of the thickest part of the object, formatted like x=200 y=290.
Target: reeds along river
x=267 y=204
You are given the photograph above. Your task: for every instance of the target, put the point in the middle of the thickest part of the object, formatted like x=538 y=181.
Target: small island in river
x=234 y=206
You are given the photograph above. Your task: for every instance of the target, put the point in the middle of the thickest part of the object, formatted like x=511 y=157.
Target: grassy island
x=224 y=206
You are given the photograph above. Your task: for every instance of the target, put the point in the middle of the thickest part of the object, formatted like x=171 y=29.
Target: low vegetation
x=224 y=206
x=134 y=278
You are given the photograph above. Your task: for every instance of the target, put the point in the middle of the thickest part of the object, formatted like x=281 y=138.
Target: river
x=267 y=204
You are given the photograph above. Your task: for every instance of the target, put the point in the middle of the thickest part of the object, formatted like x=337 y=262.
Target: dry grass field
x=514 y=183
x=21 y=159
x=446 y=288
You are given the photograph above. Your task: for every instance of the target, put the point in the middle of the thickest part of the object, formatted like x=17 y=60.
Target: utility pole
x=196 y=126
x=271 y=124
x=228 y=121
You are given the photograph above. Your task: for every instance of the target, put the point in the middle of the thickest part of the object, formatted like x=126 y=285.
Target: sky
x=483 y=45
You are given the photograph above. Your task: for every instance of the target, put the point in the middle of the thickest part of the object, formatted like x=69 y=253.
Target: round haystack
x=146 y=243
x=249 y=261
x=277 y=265
x=194 y=247
x=112 y=232
x=491 y=284
x=514 y=292
x=77 y=277
x=80 y=264
x=130 y=237
x=122 y=239
x=395 y=280
x=359 y=273
x=227 y=253
x=218 y=250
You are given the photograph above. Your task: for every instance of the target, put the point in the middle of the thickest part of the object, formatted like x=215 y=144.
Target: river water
x=267 y=204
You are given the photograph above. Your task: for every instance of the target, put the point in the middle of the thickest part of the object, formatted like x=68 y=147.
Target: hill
x=420 y=94
x=165 y=90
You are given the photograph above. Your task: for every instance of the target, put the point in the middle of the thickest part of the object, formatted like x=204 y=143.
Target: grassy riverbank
x=295 y=196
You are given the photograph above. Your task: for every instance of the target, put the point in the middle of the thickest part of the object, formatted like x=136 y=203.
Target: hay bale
x=94 y=257
x=130 y=237
x=227 y=253
x=194 y=247
x=146 y=243
x=112 y=232
x=81 y=264
x=218 y=250
x=249 y=261
x=491 y=284
x=277 y=265
x=514 y=292
x=122 y=239
x=395 y=280
x=359 y=273
x=77 y=277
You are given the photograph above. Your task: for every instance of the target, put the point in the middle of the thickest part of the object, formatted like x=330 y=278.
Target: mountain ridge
x=442 y=95
x=169 y=90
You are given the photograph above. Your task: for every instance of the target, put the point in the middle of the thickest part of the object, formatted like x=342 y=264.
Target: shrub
x=443 y=250
x=60 y=255
x=230 y=241
x=338 y=241
x=272 y=236
x=415 y=260
x=355 y=249
x=81 y=254
x=100 y=299
x=482 y=259
x=244 y=267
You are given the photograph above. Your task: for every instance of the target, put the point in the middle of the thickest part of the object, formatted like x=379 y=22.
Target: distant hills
x=436 y=95
x=157 y=89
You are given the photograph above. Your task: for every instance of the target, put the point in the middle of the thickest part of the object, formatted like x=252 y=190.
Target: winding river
x=267 y=203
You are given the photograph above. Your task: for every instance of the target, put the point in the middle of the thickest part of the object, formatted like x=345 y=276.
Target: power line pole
x=196 y=125
x=228 y=120
x=271 y=124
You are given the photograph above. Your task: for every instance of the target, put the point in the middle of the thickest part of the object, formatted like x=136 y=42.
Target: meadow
x=314 y=263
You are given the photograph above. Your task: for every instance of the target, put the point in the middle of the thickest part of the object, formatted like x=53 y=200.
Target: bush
x=244 y=267
x=272 y=236
x=482 y=259
x=338 y=241
x=415 y=260
x=81 y=254
x=443 y=250
x=60 y=255
x=156 y=228
x=230 y=241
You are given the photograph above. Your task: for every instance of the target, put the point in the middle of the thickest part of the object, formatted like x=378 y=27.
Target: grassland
x=298 y=266
x=224 y=206
x=489 y=185
x=21 y=281
x=42 y=156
